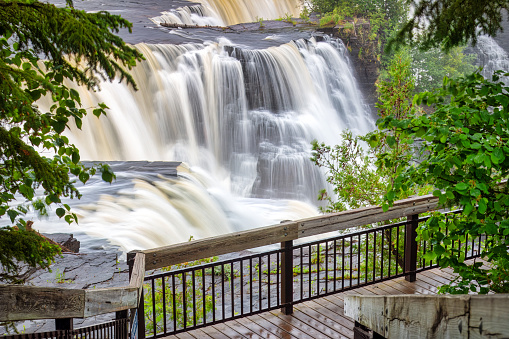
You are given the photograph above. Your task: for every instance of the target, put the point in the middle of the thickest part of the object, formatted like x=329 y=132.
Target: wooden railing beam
x=431 y=316
x=269 y=235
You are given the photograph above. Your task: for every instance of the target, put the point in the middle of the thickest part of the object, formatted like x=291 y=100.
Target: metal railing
x=116 y=329
x=183 y=298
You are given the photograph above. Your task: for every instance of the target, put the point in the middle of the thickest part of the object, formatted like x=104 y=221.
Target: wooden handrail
x=29 y=303
x=431 y=316
x=233 y=242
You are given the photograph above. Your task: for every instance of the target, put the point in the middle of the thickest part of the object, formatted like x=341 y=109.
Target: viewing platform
x=294 y=279
x=319 y=318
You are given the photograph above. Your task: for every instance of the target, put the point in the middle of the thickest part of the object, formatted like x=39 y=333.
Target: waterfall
x=225 y=13
x=241 y=119
x=491 y=57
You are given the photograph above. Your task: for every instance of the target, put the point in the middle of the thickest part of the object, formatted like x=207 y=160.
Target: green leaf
x=107 y=176
x=12 y=214
x=482 y=206
x=391 y=141
x=439 y=250
x=75 y=157
x=84 y=176
x=59 y=126
x=430 y=256
x=461 y=186
x=60 y=212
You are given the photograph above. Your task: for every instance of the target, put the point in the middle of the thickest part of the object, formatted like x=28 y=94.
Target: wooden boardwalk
x=320 y=318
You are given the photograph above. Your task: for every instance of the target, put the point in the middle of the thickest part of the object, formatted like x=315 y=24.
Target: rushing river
x=239 y=110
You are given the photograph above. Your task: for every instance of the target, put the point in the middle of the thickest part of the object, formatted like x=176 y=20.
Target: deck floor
x=320 y=318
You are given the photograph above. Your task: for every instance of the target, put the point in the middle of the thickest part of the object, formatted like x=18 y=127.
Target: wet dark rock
x=66 y=240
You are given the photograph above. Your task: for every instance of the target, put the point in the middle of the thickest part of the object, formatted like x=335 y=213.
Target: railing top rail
x=292 y=230
x=28 y=303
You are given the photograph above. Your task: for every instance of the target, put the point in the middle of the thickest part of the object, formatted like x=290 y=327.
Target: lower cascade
x=241 y=120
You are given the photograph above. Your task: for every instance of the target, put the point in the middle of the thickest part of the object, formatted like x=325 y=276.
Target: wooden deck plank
x=329 y=318
x=382 y=290
x=285 y=326
x=227 y=331
x=301 y=325
x=418 y=289
x=185 y=335
x=213 y=332
x=402 y=288
x=255 y=327
x=316 y=322
x=434 y=283
x=318 y=318
x=444 y=274
x=270 y=327
x=243 y=330
x=432 y=275
x=426 y=285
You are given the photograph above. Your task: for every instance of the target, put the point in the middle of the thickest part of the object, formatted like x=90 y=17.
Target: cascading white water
x=225 y=13
x=242 y=119
x=197 y=15
x=492 y=57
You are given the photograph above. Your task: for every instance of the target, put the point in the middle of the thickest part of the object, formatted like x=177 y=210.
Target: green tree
x=464 y=155
x=431 y=66
x=41 y=47
x=449 y=23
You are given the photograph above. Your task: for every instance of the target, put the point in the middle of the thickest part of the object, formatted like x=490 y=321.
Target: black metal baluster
x=222 y=294
x=326 y=267
x=351 y=260
x=382 y=254
x=301 y=276
x=259 y=284
x=204 y=304
x=193 y=284
x=310 y=269
x=184 y=292
x=390 y=250
x=367 y=258
x=359 y=248
x=374 y=255
x=251 y=284
x=278 y=288
x=164 y=304
x=318 y=269
x=232 y=288
x=343 y=264
x=213 y=293
x=154 y=306
x=174 y=303
x=268 y=281
x=397 y=250
x=242 y=286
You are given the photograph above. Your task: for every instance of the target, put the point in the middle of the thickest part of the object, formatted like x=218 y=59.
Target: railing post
x=65 y=324
x=287 y=277
x=411 y=247
x=141 y=307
